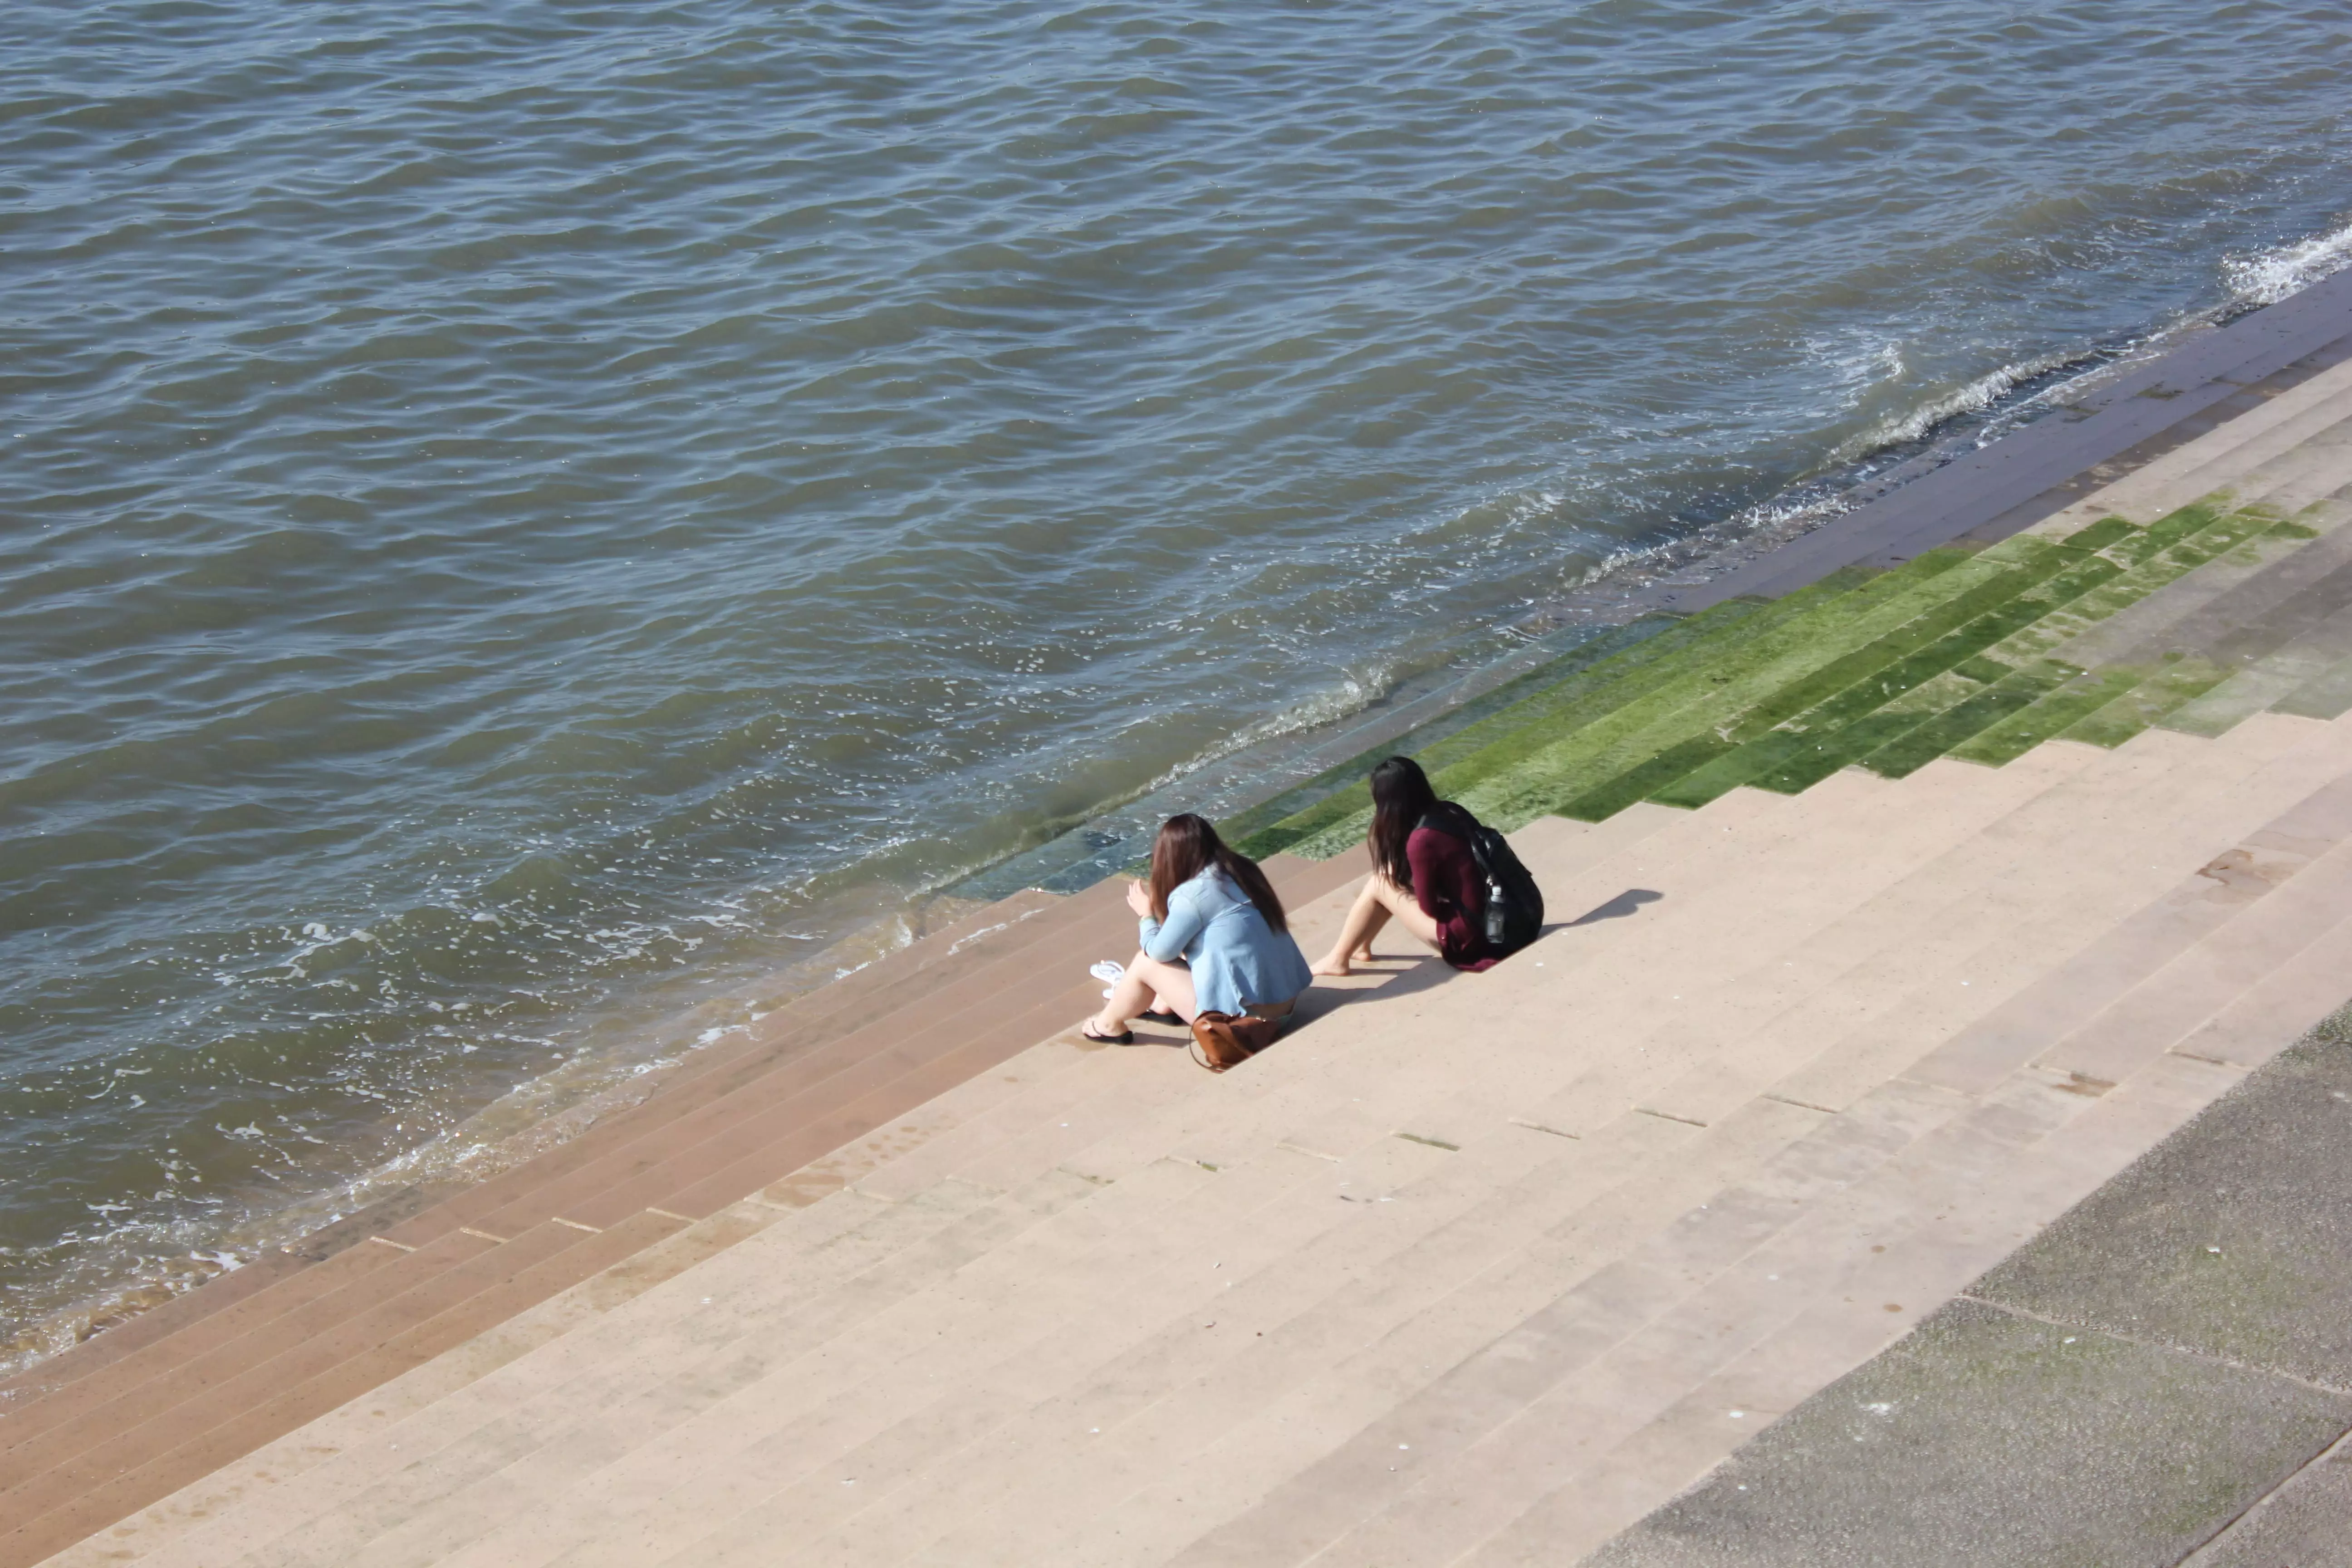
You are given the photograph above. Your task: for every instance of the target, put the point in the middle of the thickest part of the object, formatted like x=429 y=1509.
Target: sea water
x=529 y=531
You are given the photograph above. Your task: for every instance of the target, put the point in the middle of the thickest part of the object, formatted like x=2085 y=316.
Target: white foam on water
x=1972 y=397
x=2269 y=275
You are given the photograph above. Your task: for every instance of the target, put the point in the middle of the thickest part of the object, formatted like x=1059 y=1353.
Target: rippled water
x=525 y=522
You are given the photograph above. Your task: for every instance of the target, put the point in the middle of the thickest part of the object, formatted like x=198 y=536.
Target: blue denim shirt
x=1237 y=958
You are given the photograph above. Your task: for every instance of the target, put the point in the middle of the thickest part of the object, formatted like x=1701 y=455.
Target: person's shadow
x=1628 y=902
x=1393 y=974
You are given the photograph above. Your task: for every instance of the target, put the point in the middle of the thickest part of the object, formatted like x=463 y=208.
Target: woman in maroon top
x=1423 y=875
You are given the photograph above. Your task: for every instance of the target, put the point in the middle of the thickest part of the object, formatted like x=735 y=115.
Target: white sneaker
x=1110 y=970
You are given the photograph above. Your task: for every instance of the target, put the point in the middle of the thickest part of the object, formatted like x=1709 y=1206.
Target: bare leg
x=1380 y=902
x=1147 y=980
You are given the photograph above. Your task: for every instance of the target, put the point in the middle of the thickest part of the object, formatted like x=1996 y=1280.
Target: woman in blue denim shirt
x=1214 y=938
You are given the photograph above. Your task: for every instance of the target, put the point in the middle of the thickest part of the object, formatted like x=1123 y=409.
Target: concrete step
x=101 y=1471
x=1088 y=1559
x=2014 y=1197
x=1527 y=1455
x=438 y=1445
x=1575 y=1467
x=27 y=1419
x=2156 y=1094
x=1237 y=1301
x=114 y=1412
x=2218 y=460
x=2070 y=808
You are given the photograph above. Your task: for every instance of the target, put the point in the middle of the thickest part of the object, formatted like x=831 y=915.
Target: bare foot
x=1334 y=966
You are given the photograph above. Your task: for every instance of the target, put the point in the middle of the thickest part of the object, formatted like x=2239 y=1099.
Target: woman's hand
x=1138 y=899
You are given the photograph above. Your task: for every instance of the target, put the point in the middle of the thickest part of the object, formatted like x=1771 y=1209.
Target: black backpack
x=1515 y=906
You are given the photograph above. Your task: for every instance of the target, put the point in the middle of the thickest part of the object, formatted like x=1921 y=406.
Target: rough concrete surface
x=2232 y=1239
x=1989 y=1439
x=2306 y=1524
x=2167 y=1368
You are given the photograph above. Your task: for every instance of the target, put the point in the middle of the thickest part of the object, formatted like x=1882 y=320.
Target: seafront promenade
x=1900 y=907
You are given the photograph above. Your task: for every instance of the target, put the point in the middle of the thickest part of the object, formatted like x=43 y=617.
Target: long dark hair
x=1400 y=798
x=1188 y=845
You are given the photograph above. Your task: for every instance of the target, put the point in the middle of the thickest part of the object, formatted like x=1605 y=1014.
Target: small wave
x=1919 y=423
x=2269 y=275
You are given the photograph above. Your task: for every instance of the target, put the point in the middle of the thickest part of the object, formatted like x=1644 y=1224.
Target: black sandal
x=1124 y=1037
x=1174 y=1020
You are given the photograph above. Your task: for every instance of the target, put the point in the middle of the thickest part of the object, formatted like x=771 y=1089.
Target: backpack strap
x=1451 y=820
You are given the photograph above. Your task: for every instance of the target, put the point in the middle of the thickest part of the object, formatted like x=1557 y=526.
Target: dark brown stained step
x=179 y=1332
x=299 y=1359
x=18 y=1394
x=794 y=1139
x=638 y=1142
x=508 y=1282
x=92 y=1421
x=908 y=966
x=738 y=1161
x=806 y=1095
x=206 y=1335
x=667 y=1108
x=236 y=1411
x=36 y=1386
x=242 y=1432
x=23 y=1393
x=835 y=1073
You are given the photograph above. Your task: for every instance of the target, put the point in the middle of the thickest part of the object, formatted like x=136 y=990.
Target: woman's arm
x=1434 y=875
x=1167 y=940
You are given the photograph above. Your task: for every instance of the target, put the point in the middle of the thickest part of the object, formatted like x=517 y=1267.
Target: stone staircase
x=1895 y=915
x=137 y=1412
x=2210 y=585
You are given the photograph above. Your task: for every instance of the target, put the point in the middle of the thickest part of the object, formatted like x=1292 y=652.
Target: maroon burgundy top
x=1446 y=882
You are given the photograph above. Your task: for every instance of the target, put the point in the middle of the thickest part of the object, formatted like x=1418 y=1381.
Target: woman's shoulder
x=1210 y=885
x=1448 y=825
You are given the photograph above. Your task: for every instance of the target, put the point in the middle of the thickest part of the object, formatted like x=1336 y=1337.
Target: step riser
x=861 y=1063
x=1832 y=1337
x=1584 y=1426
x=284 y=1296
x=975 y=1361
x=642 y=1138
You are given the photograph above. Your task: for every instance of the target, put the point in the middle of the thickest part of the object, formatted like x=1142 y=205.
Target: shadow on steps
x=1628 y=902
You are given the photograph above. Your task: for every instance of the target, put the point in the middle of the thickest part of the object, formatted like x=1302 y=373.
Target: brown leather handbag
x=1221 y=1040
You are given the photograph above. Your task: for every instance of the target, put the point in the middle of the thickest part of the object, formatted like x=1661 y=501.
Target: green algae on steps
x=2019 y=733
x=2075 y=700
x=1624 y=647
x=1956 y=653
x=1773 y=734
x=1979 y=691
x=1809 y=745
x=1574 y=773
x=1332 y=825
x=1956 y=725
x=1550 y=696
x=2002 y=700
x=1700 y=768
